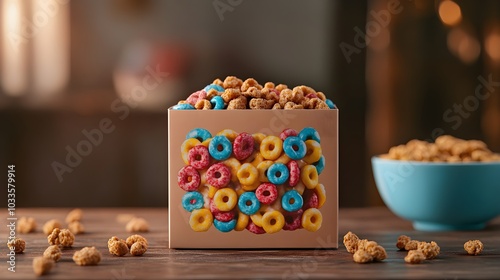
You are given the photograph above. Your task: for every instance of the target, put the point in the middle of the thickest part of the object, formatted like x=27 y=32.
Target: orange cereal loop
x=203 y=104
x=260 y=103
x=218 y=82
x=276 y=106
x=297 y=95
x=321 y=95
x=281 y=87
x=285 y=96
x=232 y=82
x=212 y=93
x=229 y=133
x=290 y=105
x=237 y=104
x=306 y=90
x=230 y=94
x=250 y=82
x=253 y=92
x=269 y=85
x=271 y=95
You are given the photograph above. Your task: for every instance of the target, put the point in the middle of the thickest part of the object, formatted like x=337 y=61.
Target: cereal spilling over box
x=253 y=179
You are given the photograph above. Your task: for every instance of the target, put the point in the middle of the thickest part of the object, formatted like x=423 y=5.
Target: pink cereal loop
x=199 y=157
x=243 y=146
x=294 y=169
x=195 y=96
x=188 y=178
x=218 y=175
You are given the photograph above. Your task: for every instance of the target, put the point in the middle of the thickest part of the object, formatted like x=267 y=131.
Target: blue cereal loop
x=184 y=106
x=309 y=133
x=298 y=201
x=294 y=147
x=248 y=203
x=199 y=133
x=320 y=164
x=217 y=103
x=213 y=86
x=220 y=148
x=330 y=104
x=225 y=226
x=192 y=201
x=278 y=173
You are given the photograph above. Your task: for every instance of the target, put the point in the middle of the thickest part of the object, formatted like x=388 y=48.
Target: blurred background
x=84 y=85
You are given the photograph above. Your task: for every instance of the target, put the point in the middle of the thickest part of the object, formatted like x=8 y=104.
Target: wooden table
x=159 y=262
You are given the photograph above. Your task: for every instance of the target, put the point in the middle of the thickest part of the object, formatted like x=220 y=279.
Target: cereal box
x=253 y=178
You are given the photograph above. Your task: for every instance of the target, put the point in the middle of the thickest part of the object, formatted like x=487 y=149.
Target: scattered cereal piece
x=361 y=256
x=42 y=265
x=430 y=250
x=137 y=225
x=74 y=215
x=26 y=225
x=87 y=256
x=76 y=227
x=124 y=218
x=351 y=242
x=50 y=225
x=414 y=257
x=402 y=241
x=62 y=237
x=138 y=248
x=52 y=252
x=412 y=245
x=473 y=247
x=135 y=238
x=117 y=247
x=17 y=245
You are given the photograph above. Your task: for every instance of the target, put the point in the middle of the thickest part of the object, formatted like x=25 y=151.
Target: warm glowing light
x=450 y=13
x=463 y=45
x=492 y=46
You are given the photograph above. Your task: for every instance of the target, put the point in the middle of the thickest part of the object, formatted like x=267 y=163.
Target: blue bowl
x=440 y=196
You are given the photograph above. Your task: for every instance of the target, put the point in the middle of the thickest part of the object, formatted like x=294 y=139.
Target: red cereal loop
x=223 y=216
x=253 y=228
x=188 y=178
x=311 y=95
x=195 y=96
x=243 y=146
x=288 y=132
x=266 y=193
x=293 y=220
x=199 y=157
x=218 y=175
x=310 y=199
x=294 y=169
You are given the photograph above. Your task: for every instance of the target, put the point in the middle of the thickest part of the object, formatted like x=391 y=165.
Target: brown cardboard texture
x=268 y=122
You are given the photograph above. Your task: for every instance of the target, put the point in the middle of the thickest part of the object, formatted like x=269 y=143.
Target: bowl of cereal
x=451 y=184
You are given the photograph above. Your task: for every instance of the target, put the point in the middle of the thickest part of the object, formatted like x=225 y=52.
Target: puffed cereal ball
x=414 y=257
x=473 y=247
x=17 y=245
x=26 y=225
x=52 y=252
x=87 y=256
x=50 y=225
x=42 y=265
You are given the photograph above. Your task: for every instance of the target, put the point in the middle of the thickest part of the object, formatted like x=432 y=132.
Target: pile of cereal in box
x=234 y=93
x=261 y=183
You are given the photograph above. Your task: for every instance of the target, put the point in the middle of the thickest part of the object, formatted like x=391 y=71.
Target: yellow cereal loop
x=309 y=176
x=252 y=187
x=257 y=217
x=312 y=219
x=211 y=191
x=313 y=153
x=206 y=142
x=247 y=174
x=201 y=219
x=203 y=176
x=234 y=165
x=271 y=147
x=321 y=193
x=186 y=146
x=229 y=133
x=225 y=199
x=258 y=137
x=262 y=168
x=241 y=222
x=258 y=159
x=273 y=221
x=283 y=159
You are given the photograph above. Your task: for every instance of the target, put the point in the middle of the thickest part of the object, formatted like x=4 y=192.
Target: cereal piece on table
x=52 y=252
x=76 y=227
x=473 y=247
x=50 y=225
x=376 y=251
x=138 y=248
x=411 y=245
x=430 y=250
x=361 y=256
x=135 y=238
x=42 y=266
x=137 y=225
x=232 y=82
x=117 y=246
x=414 y=257
x=124 y=218
x=74 y=215
x=351 y=242
x=87 y=256
x=402 y=241
x=26 y=225
x=17 y=245
x=62 y=237
x=203 y=104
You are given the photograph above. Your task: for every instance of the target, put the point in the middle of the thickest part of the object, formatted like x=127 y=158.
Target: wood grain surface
x=159 y=262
